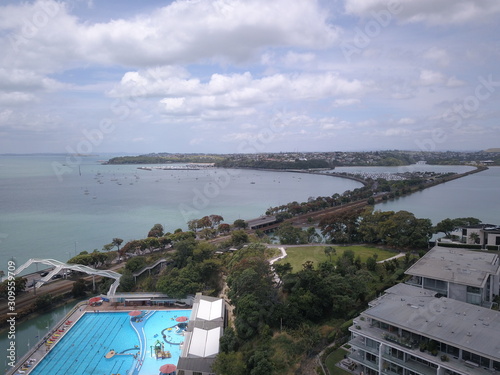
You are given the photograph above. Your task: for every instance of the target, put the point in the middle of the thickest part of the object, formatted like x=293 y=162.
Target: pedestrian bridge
x=58 y=266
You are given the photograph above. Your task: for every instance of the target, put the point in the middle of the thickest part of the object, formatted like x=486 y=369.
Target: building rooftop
x=456 y=265
x=202 y=337
x=263 y=220
x=460 y=324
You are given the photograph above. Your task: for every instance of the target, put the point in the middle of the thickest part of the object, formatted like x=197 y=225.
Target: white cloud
x=231 y=30
x=345 y=102
x=438 y=55
x=429 y=77
x=235 y=94
x=406 y=121
x=454 y=82
x=432 y=12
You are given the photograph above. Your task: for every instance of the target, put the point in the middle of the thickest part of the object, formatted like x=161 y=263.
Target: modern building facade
x=485 y=235
x=410 y=331
x=460 y=274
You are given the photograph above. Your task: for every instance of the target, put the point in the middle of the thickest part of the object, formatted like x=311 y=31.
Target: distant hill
x=492 y=150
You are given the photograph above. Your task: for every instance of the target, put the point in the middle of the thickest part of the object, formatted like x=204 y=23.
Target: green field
x=334 y=358
x=297 y=256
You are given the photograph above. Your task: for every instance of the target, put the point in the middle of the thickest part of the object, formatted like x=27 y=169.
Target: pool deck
x=40 y=350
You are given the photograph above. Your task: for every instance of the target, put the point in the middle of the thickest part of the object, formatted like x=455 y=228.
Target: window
x=496 y=365
x=473 y=295
x=473 y=289
x=370 y=357
x=371 y=343
x=396 y=354
x=395 y=368
x=437 y=285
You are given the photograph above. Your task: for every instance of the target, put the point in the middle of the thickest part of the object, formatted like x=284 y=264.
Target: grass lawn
x=334 y=358
x=297 y=256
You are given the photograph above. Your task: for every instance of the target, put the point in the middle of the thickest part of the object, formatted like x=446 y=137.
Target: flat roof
x=457 y=323
x=210 y=310
x=205 y=343
x=456 y=265
x=261 y=221
x=205 y=328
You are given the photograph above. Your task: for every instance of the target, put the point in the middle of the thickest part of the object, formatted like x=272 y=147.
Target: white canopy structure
x=58 y=266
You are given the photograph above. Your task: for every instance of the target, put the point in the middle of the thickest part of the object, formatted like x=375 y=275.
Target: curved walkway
x=58 y=266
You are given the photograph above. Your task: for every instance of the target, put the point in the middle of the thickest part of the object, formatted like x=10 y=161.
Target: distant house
x=486 y=235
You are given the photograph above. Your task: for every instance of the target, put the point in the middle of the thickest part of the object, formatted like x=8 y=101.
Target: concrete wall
x=457 y=292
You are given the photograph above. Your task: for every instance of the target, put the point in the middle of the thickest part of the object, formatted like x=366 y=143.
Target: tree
x=282 y=270
x=239 y=237
x=229 y=341
x=474 y=237
x=371 y=263
x=135 y=264
x=229 y=364
x=329 y=250
x=193 y=225
x=446 y=226
x=224 y=228
x=19 y=286
x=117 y=242
x=127 y=282
x=43 y=302
x=156 y=231
x=342 y=226
x=240 y=223
x=312 y=235
x=79 y=288
x=289 y=235
x=215 y=220
x=108 y=247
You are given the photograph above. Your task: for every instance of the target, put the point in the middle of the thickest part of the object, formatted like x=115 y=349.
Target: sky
x=249 y=76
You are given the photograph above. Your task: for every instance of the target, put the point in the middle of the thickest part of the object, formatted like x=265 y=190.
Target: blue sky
x=228 y=76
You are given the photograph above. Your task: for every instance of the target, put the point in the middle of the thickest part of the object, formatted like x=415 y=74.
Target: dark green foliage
x=289 y=235
x=448 y=225
x=43 y=302
x=135 y=264
x=156 y=231
x=19 y=286
x=239 y=237
x=127 y=282
x=79 y=288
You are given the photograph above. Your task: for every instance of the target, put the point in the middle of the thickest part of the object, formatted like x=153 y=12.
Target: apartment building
x=485 y=235
x=410 y=331
x=465 y=275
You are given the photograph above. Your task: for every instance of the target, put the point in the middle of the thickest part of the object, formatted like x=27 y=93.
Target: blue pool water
x=159 y=324
x=83 y=348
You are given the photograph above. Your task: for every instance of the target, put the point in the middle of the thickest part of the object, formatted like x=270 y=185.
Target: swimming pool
x=141 y=349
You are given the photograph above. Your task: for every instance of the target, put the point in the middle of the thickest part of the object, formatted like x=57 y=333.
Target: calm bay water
x=475 y=195
x=46 y=216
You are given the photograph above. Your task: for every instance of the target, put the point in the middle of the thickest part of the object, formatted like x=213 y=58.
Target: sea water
x=53 y=208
